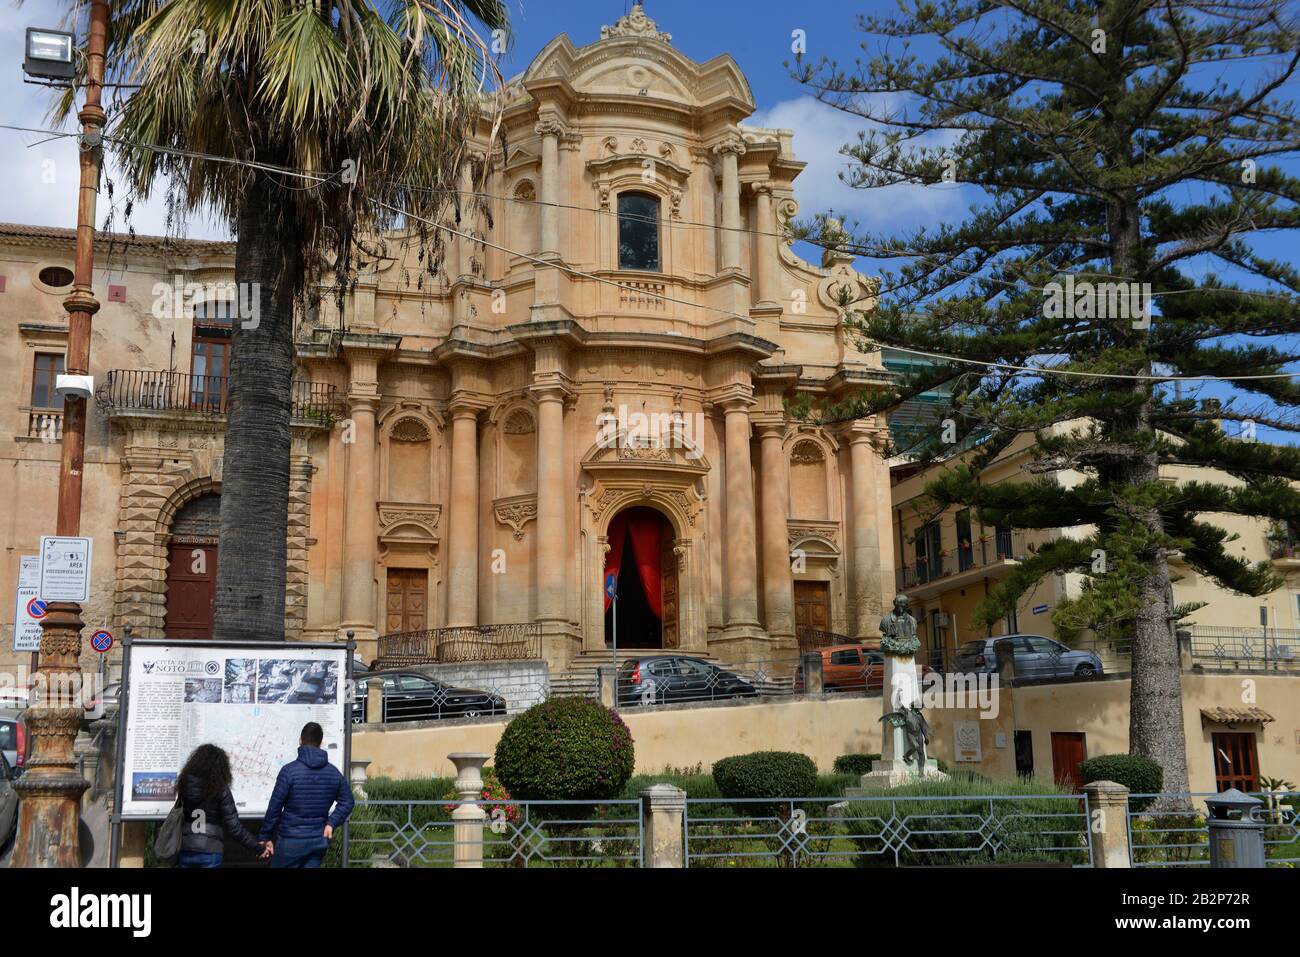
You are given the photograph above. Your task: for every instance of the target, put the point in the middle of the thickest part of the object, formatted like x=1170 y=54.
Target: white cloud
x=820 y=132
x=38 y=180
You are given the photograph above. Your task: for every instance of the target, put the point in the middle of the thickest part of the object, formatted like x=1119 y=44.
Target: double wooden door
x=812 y=605
x=1236 y=764
x=191 y=590
x=407 y=603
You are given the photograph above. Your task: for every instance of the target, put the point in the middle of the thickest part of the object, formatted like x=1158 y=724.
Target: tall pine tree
x=1114 y=144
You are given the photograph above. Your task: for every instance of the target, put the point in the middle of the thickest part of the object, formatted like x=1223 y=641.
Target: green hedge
x=854 y=763
x=565 y=749
x=766 y=774
x=1139 y=775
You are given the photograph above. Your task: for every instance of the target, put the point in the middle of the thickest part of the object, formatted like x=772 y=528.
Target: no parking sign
x=101 y=641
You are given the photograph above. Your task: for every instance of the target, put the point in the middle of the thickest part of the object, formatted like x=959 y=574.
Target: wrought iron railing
x=1272 y=649
x=813 y=638
x=888 y=831
x=519 y=834
x=1001 y=545
x=145 y=390
x=1169 y=830
x=508 y=642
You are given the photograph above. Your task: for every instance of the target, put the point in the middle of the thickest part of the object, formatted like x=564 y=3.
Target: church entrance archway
x=642 y=558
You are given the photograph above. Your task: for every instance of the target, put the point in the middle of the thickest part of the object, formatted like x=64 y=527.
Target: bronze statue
x=899 y=630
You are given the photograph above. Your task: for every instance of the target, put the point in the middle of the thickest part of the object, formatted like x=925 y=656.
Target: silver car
x=1034 y=656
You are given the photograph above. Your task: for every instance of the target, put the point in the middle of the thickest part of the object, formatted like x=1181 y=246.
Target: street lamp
x=49 y=55
x=49 y=812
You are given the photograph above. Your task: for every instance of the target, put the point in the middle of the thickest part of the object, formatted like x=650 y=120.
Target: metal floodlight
x=49 y=55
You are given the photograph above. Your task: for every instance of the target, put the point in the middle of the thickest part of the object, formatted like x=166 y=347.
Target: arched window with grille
x=638 y=232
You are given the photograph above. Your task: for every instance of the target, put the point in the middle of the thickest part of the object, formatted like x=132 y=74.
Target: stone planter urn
x=357 y=777
x=468 y=818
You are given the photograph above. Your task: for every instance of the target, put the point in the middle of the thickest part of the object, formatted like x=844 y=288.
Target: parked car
x=105 y=701
x=660 y=679
x=850 y=667
x=8 y=804
x=15 y=742
x=1034 y=656
x=411 y=696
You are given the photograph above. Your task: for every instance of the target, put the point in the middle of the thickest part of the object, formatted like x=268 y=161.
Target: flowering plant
x=493 y=790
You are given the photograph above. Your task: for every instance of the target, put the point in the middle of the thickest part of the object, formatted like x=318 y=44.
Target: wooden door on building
x=1069 y=749
x=812 y=605
x=191 y=590
x=407 y=606
x=668 y=586
x=1236 y=765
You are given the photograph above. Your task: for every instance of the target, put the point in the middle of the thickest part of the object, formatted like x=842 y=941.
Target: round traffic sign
x=611 y=584
x=101 y=641
x=36 y=608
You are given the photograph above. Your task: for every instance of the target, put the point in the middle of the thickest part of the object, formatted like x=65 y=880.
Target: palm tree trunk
x=255 y=473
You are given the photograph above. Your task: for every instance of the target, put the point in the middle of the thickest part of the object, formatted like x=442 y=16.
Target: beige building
x=948 y=562
x=593 y=383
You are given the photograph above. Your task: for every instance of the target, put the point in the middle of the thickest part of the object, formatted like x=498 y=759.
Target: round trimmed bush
x=565 y=749
x=854 y=763
x=1139 y=775
x=766 y=774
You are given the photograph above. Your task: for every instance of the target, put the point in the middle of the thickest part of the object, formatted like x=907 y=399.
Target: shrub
x=565 y=749
x=766 y=774
x=1139 y=775
x=854 y=763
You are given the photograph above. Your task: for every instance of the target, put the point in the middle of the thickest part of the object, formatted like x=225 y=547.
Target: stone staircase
x=581 y=679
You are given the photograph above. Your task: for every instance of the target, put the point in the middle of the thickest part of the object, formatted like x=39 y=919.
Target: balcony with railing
x=990 y=555
x=149 y=393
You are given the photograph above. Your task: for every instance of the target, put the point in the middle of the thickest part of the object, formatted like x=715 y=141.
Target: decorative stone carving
x=420 y=522
x=519 y=422
x=639 y=145
x=635 y=24
x=409 y=430
x=516 y=511
x=807 y=452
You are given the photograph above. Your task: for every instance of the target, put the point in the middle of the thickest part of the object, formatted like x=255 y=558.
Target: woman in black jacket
x=209 y=809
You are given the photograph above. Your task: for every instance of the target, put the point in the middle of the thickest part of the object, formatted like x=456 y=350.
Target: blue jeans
x=199 y=859
x=299 y=852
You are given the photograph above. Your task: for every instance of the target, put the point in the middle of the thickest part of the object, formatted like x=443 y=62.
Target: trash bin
x=1236 y=833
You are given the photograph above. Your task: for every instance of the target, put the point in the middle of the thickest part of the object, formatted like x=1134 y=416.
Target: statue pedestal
x=901 y=689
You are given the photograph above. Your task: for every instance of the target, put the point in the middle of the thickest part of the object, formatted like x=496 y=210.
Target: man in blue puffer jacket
x=298 y=817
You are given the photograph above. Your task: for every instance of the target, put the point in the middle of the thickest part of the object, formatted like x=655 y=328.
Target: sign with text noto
x=65 y=568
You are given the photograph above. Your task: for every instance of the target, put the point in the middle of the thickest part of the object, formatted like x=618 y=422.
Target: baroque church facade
x=592 y=388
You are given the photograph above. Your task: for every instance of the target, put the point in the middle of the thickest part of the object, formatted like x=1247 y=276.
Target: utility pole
x=51 y=788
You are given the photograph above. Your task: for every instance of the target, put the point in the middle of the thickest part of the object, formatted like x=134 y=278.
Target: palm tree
x=371 y=101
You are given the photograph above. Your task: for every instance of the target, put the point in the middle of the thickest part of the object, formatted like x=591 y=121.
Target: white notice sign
x=65 y=569
x=29 y=609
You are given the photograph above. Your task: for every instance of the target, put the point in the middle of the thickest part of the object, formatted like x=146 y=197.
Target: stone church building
x=591 y=387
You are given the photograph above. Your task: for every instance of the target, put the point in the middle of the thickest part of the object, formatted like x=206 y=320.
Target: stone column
x=730 y=151
x=359 y=531
x=778 y=581
x=663 y=810
x=553 y=553
x=765 y=248
x=1108 y=822
x=742 y=577
x=866 y=599
x=463 y=518
x=468 y=221
x=549 y=129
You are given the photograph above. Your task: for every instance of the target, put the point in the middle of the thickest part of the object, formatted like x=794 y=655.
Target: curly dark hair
x=210 y=765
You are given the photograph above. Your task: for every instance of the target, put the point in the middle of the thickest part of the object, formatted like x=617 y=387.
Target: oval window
x=56 y=277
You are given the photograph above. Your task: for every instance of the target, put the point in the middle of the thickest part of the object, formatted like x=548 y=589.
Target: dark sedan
x=662 y=679
x=410 y=696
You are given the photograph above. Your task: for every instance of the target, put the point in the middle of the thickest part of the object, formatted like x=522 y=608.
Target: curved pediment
x=625 y=450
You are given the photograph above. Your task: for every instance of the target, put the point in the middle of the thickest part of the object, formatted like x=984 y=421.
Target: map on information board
x=252 y=702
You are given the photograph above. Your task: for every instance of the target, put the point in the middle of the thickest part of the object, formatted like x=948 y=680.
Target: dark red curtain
x=644 y=526
x=644 y=529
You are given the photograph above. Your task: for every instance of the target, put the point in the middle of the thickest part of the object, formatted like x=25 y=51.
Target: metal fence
x=1236 y=648
x=1049 y=830
x=514 y=834
x=1169 y=830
